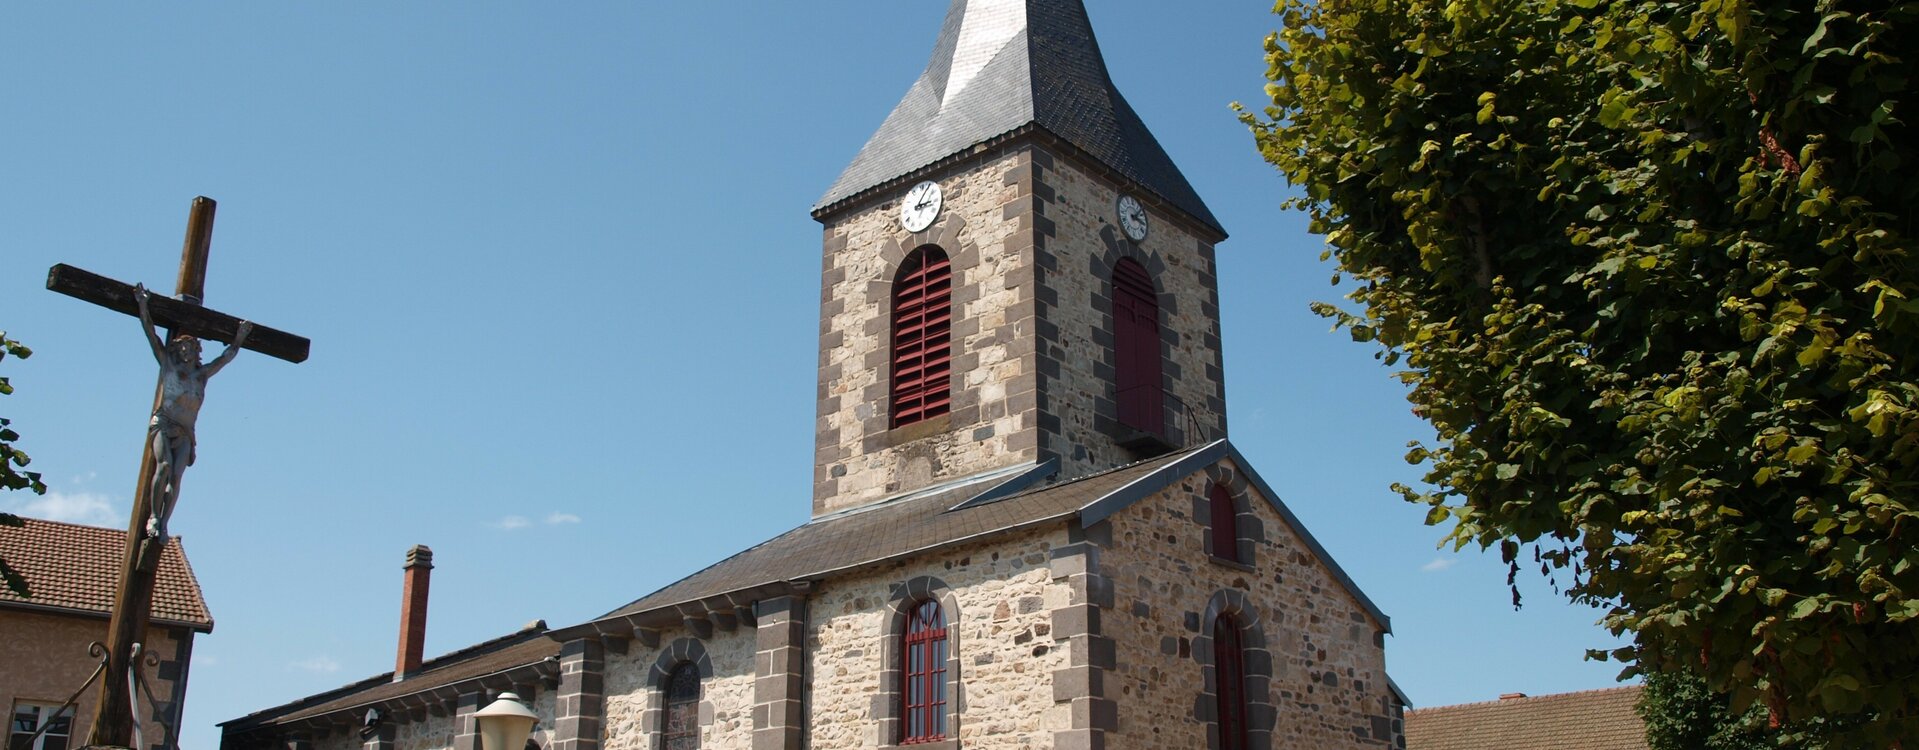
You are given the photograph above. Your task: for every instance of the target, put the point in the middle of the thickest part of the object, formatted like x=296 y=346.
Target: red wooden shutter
x=923 y=696
x=1136 y=348
x=1225 y=523
x=922 y=337
x=1229 y=670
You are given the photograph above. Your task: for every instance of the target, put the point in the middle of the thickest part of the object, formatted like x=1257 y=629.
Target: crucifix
x=170 y=441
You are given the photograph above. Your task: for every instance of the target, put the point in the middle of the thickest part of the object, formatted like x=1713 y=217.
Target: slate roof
x=531 y=645
x=999 y=66
x=76 y=568
x=902 y=526
x=970 y=508
x=1586 y=720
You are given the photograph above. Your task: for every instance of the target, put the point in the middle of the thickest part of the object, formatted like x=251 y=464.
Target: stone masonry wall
x=1000 y=636
x=1033 y=240
x=1328 y=684
x=634 y=700
x=338 y=741
x=43 y=659
x=429 y=732
x=858 y=457
x=1075 y=358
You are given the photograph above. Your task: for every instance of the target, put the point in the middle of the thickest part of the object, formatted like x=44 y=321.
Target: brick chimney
x=419 y=572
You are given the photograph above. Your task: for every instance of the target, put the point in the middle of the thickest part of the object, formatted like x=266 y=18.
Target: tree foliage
x=1682 y=714
x=13 y=461
x=1648 y=268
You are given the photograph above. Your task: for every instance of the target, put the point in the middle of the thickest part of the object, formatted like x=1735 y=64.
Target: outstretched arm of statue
x=246 y=327
x=140 y=295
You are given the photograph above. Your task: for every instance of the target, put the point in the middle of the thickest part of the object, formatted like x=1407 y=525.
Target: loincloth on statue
x=174 y=433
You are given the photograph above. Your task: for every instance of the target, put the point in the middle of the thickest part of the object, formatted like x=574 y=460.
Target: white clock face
x=921 y=207
x=1132 y=218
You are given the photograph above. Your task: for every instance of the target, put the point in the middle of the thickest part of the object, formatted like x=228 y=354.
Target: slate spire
x=1001 y=66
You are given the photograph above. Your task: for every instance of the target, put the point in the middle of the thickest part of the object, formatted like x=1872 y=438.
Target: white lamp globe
x=505 y=723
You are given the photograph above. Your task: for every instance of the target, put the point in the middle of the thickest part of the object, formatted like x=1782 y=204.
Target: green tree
x=13 y=475
x=1682 y=714
x=1647 y=267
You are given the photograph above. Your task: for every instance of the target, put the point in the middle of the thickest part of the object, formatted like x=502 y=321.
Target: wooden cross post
x=113 y=719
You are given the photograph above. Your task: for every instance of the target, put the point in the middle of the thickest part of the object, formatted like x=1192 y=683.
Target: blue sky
x=558 y=270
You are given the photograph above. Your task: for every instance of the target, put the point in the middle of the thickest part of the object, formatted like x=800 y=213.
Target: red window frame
x=923 y=675
x=1137 y=370
x=1229 y=670
x=922 y=351
x=1225 y=531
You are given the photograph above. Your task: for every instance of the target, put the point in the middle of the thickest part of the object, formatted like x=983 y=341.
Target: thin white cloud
x=72 y=507
x=560 y=518
x=1439 y=564
x=321 y=664
x=511 y=523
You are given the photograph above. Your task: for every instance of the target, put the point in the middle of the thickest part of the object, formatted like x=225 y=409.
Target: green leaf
x=1805 y=608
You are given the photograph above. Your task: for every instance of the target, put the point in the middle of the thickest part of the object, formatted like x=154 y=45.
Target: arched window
x=1136 y=362
x=682 y=717
x=922 y=337
x=923 y=670
x=1229 y=668
x=1225 y=531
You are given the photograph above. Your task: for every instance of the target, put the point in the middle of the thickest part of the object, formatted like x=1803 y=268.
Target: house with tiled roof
x=71 y=573
x=1029 y=527
x=1605 y=719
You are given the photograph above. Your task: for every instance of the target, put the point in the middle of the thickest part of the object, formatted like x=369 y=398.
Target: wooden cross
x=113 y=720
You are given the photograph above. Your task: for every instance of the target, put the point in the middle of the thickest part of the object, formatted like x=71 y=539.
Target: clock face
x=1132 y=218
x=921 y=207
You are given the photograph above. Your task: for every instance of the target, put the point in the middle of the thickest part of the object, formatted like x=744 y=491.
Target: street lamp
x=505 y=723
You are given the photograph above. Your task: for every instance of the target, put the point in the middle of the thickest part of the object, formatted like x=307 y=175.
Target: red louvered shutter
x=922 y=337
x=1225 y=523
x=1230 y=672
x=1136 y=348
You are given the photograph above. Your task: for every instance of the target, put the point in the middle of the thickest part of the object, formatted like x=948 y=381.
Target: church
x=1029 y=528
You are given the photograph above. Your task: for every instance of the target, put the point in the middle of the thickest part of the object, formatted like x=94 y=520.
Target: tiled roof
x=960 y=510
x=998 y=67
x=893 y=528
x=77 y=568
x=1587 y=720
x=527 y=646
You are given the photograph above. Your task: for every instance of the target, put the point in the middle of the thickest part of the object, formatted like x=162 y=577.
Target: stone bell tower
x=1014 y=271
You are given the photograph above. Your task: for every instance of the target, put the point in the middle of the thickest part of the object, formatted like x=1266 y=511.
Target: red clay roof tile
x=74 y=567
x=1586 y=720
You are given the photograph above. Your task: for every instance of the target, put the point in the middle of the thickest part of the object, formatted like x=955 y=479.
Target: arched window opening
x=682 y=729
x=1225 y=531
x=922 y=337
x=1229 y=668
x=1136 y=360
x=923 y=667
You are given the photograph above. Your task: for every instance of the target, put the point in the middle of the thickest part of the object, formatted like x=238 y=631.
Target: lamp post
x=505 y=723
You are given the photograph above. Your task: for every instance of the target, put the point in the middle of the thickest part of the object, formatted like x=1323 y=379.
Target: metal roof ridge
x=927 y=491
